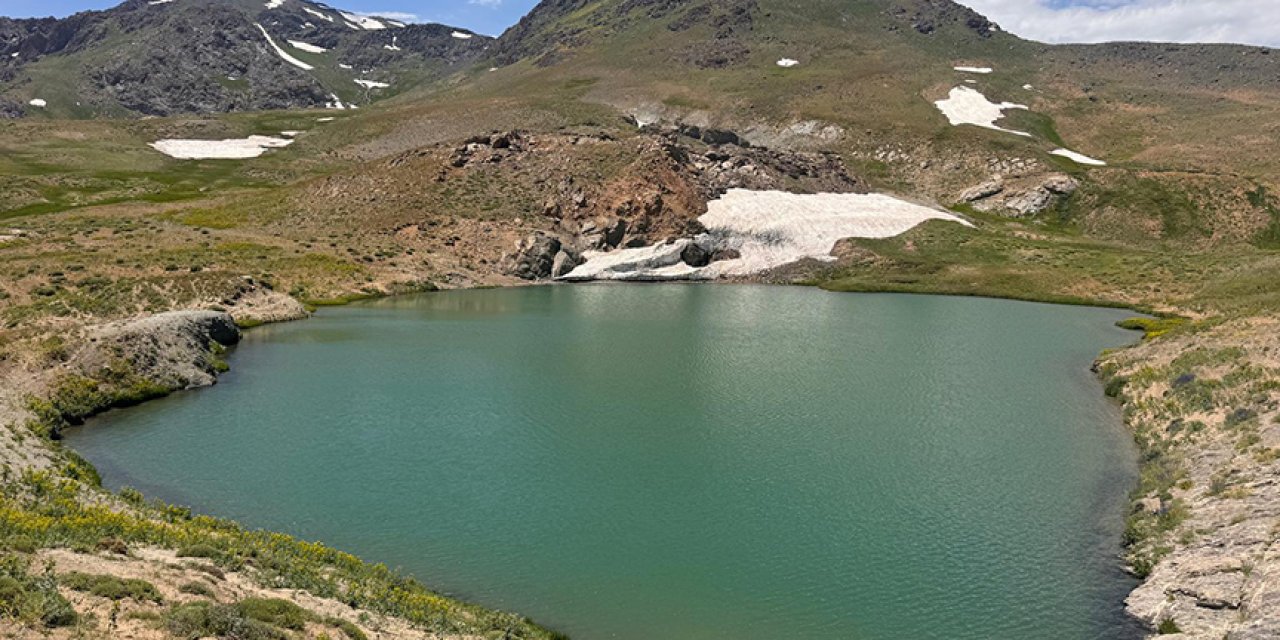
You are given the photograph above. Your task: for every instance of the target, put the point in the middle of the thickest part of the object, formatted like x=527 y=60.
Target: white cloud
x=1237 y=21
x=485 y=3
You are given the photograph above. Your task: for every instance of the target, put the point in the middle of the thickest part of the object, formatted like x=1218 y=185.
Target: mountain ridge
x=203 y=56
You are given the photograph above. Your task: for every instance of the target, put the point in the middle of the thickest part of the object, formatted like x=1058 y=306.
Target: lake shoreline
x=1144 y=616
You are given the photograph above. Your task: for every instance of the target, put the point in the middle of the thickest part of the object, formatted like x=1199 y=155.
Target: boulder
x=563 y=263
x=534 y=257
x=1061 y=184
x=1031 y=202
x=695 y=256
x=983 y=191
x=614 y=231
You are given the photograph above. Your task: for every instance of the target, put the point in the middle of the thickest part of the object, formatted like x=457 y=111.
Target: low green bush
x=274 y=611
x=203 y=619
x=111 y=587
x=347 y=627
x=197 y=589
x=32 y=599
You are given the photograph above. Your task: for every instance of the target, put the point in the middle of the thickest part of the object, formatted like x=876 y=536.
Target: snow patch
x=235 y=149
x=39 y=102
x=317 y=14
x=788 y=63
x=335 y=102
x=394 y=46
x=461 y=36
x=768 y=229
x=1078 y=157
x=969 y=106
x=773 y=228
x=281 y=52
x=156 y=2
x=370 y=84
x=303 y=46
x=1028 y=87
x=346 y=66
x=274 y=4
x=290 y=134
x=363 y=22
x=328 y=119
x=983 y=70
x=658 y=262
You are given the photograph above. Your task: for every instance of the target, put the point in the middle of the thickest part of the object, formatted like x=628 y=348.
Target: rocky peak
x=555 y=28
x=929 y=16
x=208 y=56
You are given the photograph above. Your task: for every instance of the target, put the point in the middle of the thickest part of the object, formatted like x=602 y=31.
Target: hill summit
x=162 y=57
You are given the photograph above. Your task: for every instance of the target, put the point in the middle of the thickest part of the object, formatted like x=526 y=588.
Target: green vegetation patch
x=1152 y=328
x=111 y=587
x=50 y=511
x=32 y=599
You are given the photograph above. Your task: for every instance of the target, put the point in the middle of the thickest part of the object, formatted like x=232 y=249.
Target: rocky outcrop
x=983 y=191
x=659 y=198
x=1205 y=407
x=254 y=303
x=534 y=258
x=563 y=263
x=10 y=110
x=1020 y=196
x=174 y=350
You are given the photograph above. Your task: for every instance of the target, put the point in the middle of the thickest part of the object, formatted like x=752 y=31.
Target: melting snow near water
x=768 y=229
x=969 y=106
x=1078 y=157
x=235 y=149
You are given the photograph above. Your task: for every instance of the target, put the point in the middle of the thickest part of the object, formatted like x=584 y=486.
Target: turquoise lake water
x=681 y=462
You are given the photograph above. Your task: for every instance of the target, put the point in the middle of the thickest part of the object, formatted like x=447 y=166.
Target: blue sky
x=483 y=16
x=1240 y=21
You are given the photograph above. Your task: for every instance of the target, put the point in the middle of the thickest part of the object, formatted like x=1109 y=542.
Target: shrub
x=347 y=627
x=199 y=551
x=204 y=619
x=111 y=587
x=274 y=611
x=1168 y=627
x=197 y=589
x=32 y=599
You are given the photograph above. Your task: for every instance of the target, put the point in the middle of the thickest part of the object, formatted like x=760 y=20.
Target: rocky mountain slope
x=210 y=56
